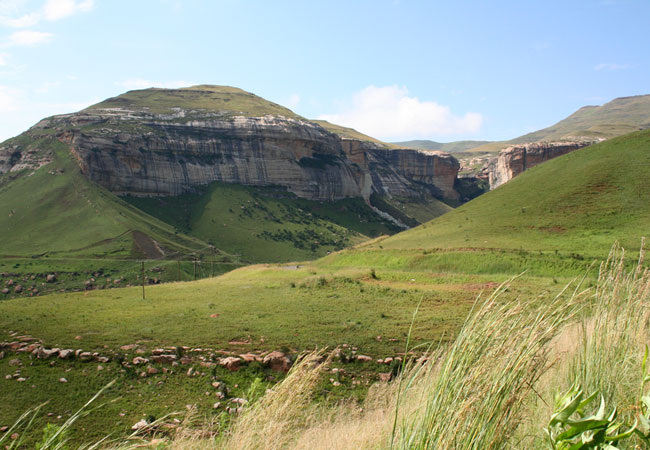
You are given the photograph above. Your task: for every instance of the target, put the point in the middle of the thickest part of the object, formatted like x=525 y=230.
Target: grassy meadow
x=545 y=228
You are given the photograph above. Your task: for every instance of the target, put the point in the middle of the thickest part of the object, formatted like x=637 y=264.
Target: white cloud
x=292 y=101
x=611 y=66
x=29 y=37
x=13 y=14
x=139 y=83
x=3 y=59
x=388 y=112
x=58 y=9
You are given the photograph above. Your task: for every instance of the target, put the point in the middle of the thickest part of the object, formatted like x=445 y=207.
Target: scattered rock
x=66 y=354
x=62 y=380
x=277 y=361
x=128 y=347
x=46 y=353
x=164 y=359
x=4 y=429
x=50 y=278
x=138 y=360
x=363 y=358
x=21 y=379
x=15 y=363
x=231 y=363
x=100 y=367
x=5 y=291
x=385 y=376
x=78 y=338
x=251 y=357
x=216 y=405
x=2 y=355
x=151 y=370
x=85 y=356
x=14 y=436
x=18 y=289
x=141 y=424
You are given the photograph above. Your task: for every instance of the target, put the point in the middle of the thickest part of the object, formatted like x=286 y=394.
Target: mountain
x=590 y=123
x=208 y=173
x=450 y=147
x=620 y=116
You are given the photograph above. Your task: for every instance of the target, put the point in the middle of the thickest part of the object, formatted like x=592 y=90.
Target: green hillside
x=55 y=211
x=221 y=99
x=620 y=116
x=550 y=222
x=580 y=202
x=350 y=133
x=450 y=147
x=266 y=224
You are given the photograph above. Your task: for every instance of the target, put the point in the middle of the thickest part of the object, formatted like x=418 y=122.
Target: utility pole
x=142 y=280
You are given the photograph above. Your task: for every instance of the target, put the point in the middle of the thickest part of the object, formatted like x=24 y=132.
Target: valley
x=313 y=238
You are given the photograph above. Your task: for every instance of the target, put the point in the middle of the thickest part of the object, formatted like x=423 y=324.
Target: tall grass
x=490 y=389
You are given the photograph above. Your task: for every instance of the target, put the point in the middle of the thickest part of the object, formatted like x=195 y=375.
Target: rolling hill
x=615 y=118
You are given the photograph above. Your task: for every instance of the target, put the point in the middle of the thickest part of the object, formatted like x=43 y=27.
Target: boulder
x=50 y=278
x=46 y=353
x=138 y=360
x=277 y=361
x=231 y=363
x=66 y=354
x=164 y=359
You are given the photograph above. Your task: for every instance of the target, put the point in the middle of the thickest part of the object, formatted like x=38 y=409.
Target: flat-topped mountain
x=158 y=173
x=168 y=141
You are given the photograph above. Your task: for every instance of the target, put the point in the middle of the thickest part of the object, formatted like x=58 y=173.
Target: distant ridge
x=450 y=147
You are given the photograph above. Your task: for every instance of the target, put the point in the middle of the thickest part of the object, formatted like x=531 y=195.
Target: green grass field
x=551 y=222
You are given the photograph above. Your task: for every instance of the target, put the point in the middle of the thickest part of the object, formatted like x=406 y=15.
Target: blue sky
x=395 y=69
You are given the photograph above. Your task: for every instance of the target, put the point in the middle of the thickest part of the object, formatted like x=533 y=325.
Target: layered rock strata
x=145 y=154
x=515 y=159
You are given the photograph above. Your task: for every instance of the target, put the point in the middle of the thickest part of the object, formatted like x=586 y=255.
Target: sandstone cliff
x=515 y=159
x=142 y=153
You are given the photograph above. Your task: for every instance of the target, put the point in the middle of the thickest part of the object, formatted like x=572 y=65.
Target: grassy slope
x=580 y=202
x=350 y=133
x=618 y=117
x=265 y=225
x=55 y=210
x=220 y=99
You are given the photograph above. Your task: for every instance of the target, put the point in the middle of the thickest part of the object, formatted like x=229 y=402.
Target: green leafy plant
x=571 y=428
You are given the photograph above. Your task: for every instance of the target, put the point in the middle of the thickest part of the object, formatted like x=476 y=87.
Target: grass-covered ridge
x=225 y=100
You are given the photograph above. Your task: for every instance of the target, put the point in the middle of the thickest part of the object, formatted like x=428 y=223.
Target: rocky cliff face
x=140 y=153
x=514 y=160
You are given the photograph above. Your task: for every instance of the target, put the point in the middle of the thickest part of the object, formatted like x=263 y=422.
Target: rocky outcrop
x=517 y=158
x=140 y=153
